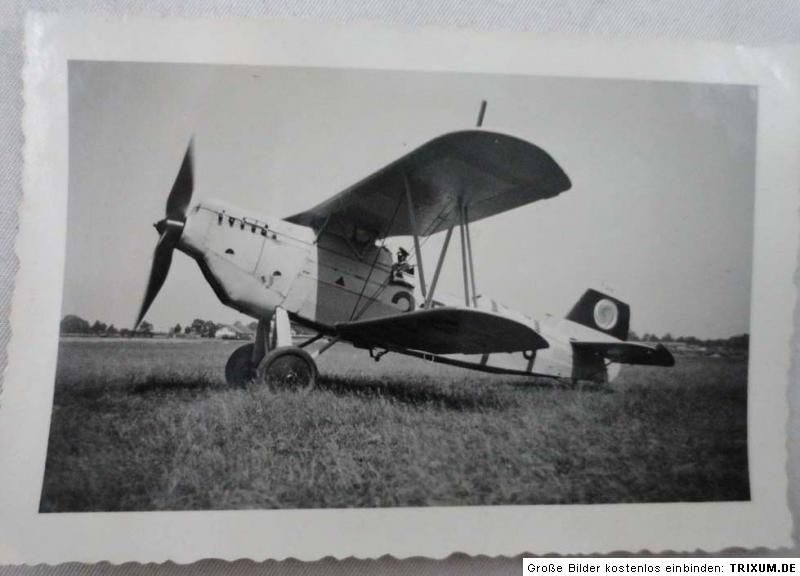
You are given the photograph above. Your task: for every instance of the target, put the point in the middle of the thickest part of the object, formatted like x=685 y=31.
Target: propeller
x=170 y=230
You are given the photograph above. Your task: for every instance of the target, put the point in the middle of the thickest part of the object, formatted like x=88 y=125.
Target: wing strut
x=464 y=264
x=442 y=254
x=412 y=220
x=468 y=268
x=466 y=239
x=466 y=243
x=469 y=256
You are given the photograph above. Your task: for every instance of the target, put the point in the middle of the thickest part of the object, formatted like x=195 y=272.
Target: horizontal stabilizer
x=628 y=352
x=445 y=330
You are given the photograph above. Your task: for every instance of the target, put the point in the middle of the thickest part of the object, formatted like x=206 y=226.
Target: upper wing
x=487 y=172
x=628 y=352
x=444 y=331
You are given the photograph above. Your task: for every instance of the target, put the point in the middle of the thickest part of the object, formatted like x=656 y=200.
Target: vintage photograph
x=297 y=287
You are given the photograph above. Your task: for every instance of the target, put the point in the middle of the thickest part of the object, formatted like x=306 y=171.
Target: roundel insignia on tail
x=602 y=312
x=606 y=314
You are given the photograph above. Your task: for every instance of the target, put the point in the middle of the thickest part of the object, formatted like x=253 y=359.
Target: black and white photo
x=549 y=308
x=349 y=295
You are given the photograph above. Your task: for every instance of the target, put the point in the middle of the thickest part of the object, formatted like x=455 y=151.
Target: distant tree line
x=72 y=324
x=738 y=342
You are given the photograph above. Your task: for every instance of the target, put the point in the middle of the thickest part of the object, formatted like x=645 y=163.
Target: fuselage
x=256 y=264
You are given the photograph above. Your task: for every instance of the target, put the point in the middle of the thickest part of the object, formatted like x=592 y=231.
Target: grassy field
x=150 y=425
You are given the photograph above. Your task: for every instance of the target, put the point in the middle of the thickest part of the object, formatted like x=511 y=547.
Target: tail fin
x=602 y=312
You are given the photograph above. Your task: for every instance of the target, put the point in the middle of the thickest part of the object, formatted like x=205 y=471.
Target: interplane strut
x=439 y=263
x=412 y=220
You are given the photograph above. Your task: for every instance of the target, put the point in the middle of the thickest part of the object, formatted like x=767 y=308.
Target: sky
x=659 y=214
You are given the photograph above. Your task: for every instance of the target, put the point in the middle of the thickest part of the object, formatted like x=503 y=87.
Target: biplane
x=328 y=269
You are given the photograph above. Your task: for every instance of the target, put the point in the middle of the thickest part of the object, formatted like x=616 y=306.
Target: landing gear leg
x=262 y=343
x=285 y=366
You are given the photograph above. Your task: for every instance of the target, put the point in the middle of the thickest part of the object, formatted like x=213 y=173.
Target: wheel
x=289 y=368
x=240 y=370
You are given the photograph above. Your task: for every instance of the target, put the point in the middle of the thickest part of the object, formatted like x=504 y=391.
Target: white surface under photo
x=347 y=296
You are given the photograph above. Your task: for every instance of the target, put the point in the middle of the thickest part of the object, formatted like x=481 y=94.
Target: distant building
x=235 y=331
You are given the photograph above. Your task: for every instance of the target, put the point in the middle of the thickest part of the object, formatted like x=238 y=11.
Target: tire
x=240 y=370
x=289 y=368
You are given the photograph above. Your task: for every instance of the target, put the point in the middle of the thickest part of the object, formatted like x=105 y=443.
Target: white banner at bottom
x=576 y=566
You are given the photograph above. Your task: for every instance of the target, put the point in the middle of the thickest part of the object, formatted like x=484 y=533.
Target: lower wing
x=446 y=330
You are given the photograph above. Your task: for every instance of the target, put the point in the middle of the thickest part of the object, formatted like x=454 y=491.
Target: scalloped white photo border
x=52 y=40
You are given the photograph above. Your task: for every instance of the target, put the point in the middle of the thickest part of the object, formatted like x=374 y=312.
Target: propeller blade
x=181 y=194
x=170 y=229
x=162 y=258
